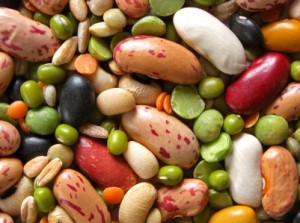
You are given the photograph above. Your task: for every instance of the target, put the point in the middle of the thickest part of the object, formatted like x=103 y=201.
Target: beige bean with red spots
x=6 y=71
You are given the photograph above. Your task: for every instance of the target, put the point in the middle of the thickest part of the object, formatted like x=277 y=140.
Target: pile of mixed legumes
x=150 y=111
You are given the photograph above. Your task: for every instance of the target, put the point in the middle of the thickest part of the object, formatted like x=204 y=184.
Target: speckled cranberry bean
x=259 y=5
x=169 y=139
x=10 y=139
x=24 y=38
x=6 y=71
x=134 y=9
x=155 y=56
x=11 y=170
x=49 y=7
x=79 y=199
x=186 y=199
x=280 y=174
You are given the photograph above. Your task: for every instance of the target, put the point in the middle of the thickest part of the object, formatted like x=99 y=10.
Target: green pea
x=149 y=25
x=109 y=124
x=166 y=7
x=73 y=21
x=233 y=124
x=66 y=134
x=295 y=70
x=115 y=18
x=217 y=150
x=31 y=93
x=208 y=2
x=44 y=199
x=211 y=87
x=61 y=26
x=51 y=74
x=117 y=142
x=170 y=175
x=207 y=126
x=171 y=33
x=42 y=120
x=203 y=170
x=203 y=216
x=271 y=129
x=63 y=152
x=186 y=101
x=219 y=180
x=297 y=134
x=99 y=49
x=219 y=199
x=42 y=18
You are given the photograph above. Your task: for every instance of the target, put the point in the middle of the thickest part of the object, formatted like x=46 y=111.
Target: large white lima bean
x=243 y=167
x=211 y=38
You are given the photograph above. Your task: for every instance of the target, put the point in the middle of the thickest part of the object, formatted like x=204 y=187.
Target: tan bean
x=154 y=216
x=29 y=211
x=34 y=166
x=94 y=131
x=63 y=152
x=102 y=80
x=49 y=92
x=224 y=10
x=99 y=7
x=115 y=101
x=137 y=203
x=185 y=199
x=101 y=29
x=144 y=94
x=20 y=66
x=280 y=174
x=141 y=160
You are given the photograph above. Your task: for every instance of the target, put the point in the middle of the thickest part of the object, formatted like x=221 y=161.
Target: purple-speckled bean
x=134 y=9
x=11 y=170
x=155 y=56
x=24 y=38
x=258 y=5
x=49 y=7
x=169 y=139
x=6 y=71
x=185 y=199
x=79 y=199
x=10 y=139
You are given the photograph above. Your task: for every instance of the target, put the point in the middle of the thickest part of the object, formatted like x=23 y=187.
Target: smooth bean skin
x=49 y=7
x=169 y=139
x=155 y=56
x=286 y=104
x=259 y=84
x=236 y=214
x=66 y=134
x=205 y=34
x=51 y=74
x=79 y=199
x=185 y=199
x=61 y=26
x=247 y=30
x=260 y=5
x=280 y=174
x=6 y=71
x=243 y=166
x=13 y=169
x=28 y=40
x=135 y=9
x=44 y=199
x=76 y=100
x=282 y=36
x=31 y=93
x=10 y=139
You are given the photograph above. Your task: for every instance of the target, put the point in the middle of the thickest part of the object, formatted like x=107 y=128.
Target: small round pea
x=66 y=134
x=115 y=18
x=170 y=175
x=219 y=180
x=61 y=26
x=233 y=124
x=211 y=87
x=271 y=129
x=295 y=70
x=117 y=142
x=109 y=124
x=44 y=199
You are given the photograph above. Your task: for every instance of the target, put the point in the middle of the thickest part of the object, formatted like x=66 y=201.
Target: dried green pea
x=117 y=38
x=42 y=18
x=203 y=216
x=115 y=18
x=61 y=26
x=99 y=48
x=219 y=199
x=31 y=93
x=294 y=147
x=149 y=25
x=51 y=74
